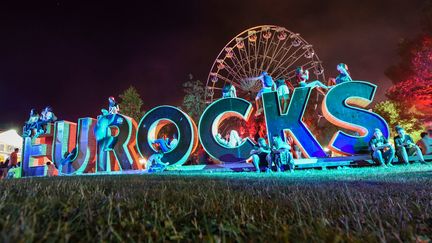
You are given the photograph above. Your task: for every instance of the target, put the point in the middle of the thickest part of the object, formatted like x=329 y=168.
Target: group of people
x=281 y=87
x=383 y=152
x=278 y=155
x=162 y=146
x=264 y=157
x=10 y=164
x=36 y=124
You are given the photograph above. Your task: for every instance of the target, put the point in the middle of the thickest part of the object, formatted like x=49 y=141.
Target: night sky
x=72 y=55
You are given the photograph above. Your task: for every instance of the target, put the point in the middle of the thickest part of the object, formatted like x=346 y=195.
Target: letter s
x=339 y=108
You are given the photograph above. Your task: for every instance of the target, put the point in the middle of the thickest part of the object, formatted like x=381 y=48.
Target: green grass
x=355 y=205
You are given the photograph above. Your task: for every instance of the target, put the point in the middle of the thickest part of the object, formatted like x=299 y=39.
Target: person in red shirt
x=14 y=158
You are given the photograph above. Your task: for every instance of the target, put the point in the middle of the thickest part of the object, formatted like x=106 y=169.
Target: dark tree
x=131 y=104
x=412 y=76
x=194 y=99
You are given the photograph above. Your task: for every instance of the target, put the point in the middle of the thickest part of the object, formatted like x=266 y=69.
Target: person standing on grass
x=14 y=158
x=382 y=150
x=405 y=146
x=51 y=170
x=4 y=168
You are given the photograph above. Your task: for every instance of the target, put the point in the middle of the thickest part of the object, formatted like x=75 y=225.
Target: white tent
x=12 y=138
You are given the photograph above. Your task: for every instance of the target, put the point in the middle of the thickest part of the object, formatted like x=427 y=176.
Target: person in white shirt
x=233 y=139
x=283 y=94
x=113 y=107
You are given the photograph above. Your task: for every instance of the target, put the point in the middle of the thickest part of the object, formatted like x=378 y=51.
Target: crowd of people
x=8 y=166
x=279 y=155
x=384 y=152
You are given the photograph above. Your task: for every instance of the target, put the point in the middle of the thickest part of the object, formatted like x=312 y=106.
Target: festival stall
x=9 y=140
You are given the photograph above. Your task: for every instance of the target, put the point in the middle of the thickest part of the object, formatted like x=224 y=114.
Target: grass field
x=355 y=205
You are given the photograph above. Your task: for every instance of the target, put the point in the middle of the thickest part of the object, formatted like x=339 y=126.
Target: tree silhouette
x=194 y=99
x=412 y=76
x=131 y=104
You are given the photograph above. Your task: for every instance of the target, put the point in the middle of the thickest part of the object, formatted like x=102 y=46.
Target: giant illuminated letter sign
x=339 y=107
x=157 y=118
x=36 y=152
x=116 y=151
x=291 y=122
x=208 y=129
x=114 y=142
x=67 y=137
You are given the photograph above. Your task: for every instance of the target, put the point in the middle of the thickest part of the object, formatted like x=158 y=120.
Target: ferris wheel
x=269 y=48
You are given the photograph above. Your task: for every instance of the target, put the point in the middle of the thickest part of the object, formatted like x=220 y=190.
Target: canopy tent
x=12 y=138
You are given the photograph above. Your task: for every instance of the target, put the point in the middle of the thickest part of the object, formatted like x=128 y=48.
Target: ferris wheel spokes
x=263 y=48
x=291 y=63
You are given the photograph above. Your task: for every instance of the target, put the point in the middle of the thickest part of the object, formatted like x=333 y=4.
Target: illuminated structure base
x=315 y=163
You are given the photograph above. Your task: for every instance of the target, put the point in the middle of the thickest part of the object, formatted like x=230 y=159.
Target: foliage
x=131 y=104
x=416 y=91
x=395 y=114
x=412 y=76
x=194 y=99
x=415 y=95
x=347 y=205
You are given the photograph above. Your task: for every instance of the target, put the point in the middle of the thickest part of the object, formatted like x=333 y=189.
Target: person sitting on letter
x=303 y=77
x=229 y=91
x=344 y=75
